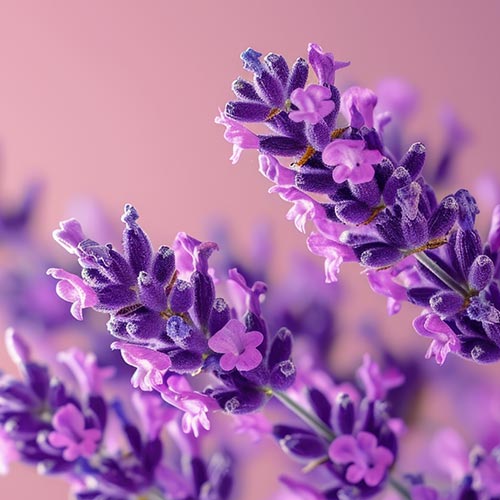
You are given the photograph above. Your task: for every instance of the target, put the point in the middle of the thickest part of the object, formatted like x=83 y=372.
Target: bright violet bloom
x=151 y=365
x=84 y=367
x=376 y=383
x=272 y=169
x=368 y=461
x=351 y=160
x=69 y=235
x=443 y=338
x=239 y=347
x=313 y=102
x=239 y=136
x=195 y=405
x=357 y=106
x=324 y=64
x=70 y=434
x=72 y=288
x=494 y=234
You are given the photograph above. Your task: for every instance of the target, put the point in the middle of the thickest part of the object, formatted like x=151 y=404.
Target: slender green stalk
x=401 y=489
x=309 y=419
x=441 y=273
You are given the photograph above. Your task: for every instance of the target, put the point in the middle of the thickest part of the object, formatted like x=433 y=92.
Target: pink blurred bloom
x=8 y=452
x=314 y=103
x=298 y=490
x=84 y=367
x=238 y=346
x=151 y=365
x=351 y=160
x=368 y=461
x=254 y=425
x=444 y=339
x=239 y=136
x=376 y=383
x=70 y=434
x=72 y=288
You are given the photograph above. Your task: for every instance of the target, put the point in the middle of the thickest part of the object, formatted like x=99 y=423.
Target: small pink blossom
x=70 y=434
x=366 y=461
x=195 y=405
x=69 y=235
x=151 y=364
x=239 y=136
x=376 y=383
x=351 y=160
x=272 y=169
x=314 y=103
x=239 y=347
x=443 y=338
x=72 y=288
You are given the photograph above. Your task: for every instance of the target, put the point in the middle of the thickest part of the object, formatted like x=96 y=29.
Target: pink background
x=115 y=100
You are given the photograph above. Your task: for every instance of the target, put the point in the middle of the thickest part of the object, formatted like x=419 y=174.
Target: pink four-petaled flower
x=351 y=160
x=239 y=348
x=70 y=434
x=313 y=103
x=366 y=461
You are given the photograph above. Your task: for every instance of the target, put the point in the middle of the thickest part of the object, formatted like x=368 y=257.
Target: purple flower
x=84 y=367
x=444 y=339
x=245 y=298
x=494 y=234
x=324 y=64
x=70 y=434
x=357 y=106
x=314 y=104
x=334 y=253
x=72 y=288
x=376 y=383
x=239 y=136
x=366 y=460
x=195 y=406
x=191 y=254
x=239 y=348
x=18 y=350
x=151 y=365
x=272 y=169
x=351 y=160
x=69 y=236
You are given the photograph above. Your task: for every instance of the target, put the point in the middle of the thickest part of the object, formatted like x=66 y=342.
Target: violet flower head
x=324 y=64
x=69 y=236
x=351 y=160
x=313 y=103
x=375 y=382
x=366 y=460
x=357 y=106
x=70 y=433
x=237 y=346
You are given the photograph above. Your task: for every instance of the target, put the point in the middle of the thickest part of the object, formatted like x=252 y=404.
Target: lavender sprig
x=368 y=205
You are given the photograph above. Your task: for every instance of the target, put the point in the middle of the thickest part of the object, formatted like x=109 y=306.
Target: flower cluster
x=63 y=429
x=368 y=205
x=165 y=311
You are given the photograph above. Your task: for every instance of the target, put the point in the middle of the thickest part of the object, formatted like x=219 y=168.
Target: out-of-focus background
x=114 y=102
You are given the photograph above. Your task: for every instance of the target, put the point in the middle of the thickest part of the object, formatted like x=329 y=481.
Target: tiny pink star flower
x=366 y=461
x=443 y=337
x=72 y=288
x=351 y=160
x=314 y=103
x=239 y=348
x=151 y=365
x=70 y=434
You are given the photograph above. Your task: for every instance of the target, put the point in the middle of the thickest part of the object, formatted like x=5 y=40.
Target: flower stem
x=434 y=268
x=401 y=489
x=302 y=413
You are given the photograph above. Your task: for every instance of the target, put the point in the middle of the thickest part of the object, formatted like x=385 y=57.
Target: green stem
x=401 y=489
x=434 y=268
x=309 y=419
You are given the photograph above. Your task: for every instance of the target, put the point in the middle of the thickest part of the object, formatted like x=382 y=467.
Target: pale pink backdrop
x=115 y=100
